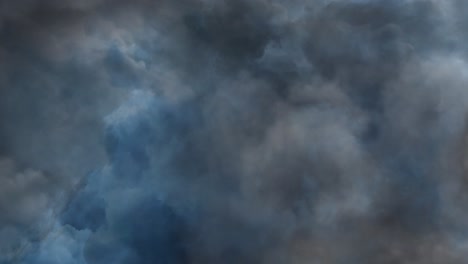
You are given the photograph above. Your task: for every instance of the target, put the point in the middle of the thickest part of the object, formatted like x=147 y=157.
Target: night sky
x=233 y=132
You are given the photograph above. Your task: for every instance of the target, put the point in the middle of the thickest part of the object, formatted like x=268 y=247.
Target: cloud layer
x=201 y=131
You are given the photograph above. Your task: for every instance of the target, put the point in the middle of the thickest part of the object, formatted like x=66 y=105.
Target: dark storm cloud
x=201 y=131
x=28 y=199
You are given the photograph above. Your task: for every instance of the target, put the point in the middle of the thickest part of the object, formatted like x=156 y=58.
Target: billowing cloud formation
x=202 y=131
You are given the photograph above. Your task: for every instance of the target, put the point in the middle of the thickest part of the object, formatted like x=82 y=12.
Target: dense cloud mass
x=233 y=131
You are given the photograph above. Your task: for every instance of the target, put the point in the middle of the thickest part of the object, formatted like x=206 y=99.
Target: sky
x=227 y=132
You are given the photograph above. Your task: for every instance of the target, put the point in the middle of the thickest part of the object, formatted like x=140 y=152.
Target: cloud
x=199 y=131
x=28 y=198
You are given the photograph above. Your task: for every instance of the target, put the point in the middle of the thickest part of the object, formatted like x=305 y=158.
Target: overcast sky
x=233 y=131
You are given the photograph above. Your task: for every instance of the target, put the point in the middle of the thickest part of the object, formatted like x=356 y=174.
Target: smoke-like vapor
x=209 y=131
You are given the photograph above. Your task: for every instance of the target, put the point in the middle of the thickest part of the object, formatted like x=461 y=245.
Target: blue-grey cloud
x=201 y=131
